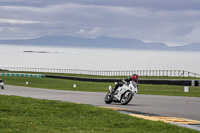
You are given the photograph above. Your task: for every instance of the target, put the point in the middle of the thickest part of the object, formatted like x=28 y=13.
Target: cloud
x=155 y=20
x=90 y=32
x=15 y=21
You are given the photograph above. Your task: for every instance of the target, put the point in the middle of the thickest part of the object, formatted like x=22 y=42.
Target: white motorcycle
x=122 y=94
x=1 y=84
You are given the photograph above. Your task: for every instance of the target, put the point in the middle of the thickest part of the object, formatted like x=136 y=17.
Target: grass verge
x=63 y=84
x=18 y=114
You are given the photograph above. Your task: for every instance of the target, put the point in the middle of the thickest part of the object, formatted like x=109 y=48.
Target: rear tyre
x=126 y=99
x=2 y=87
x=108 y=98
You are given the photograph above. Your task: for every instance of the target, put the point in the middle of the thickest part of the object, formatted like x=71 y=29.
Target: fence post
x=183 y=73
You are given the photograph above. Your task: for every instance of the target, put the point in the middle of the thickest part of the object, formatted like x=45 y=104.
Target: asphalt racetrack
x=174 y=106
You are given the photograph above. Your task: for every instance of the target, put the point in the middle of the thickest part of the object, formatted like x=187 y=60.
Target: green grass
x=59 y=84
x=170 y=90
x=63 y=84
x=27 y=115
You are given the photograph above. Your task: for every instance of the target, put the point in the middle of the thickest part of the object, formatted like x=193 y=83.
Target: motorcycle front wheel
x=108 y=98
x=126 y=98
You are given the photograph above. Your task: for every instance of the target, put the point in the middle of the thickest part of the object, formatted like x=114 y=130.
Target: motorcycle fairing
x=121 y=91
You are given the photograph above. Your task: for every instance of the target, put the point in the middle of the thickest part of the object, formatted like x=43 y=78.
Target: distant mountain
x=102 y=42
x=189 y=47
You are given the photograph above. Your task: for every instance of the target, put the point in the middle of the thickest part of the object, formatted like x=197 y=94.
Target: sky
x=173 y=22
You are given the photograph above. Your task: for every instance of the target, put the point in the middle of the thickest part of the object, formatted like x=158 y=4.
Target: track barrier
x=22 y=75
x=141 y=81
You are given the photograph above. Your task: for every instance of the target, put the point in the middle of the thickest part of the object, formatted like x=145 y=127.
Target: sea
x=97 y=58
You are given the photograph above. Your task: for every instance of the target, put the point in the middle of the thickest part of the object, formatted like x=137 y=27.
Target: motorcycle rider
x=126 y=81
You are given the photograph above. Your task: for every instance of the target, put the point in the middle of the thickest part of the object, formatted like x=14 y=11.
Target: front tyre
x=126 y=98
x=108 y=98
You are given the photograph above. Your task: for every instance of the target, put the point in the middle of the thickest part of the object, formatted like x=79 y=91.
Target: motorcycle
x=122 y=94
x=1 y=84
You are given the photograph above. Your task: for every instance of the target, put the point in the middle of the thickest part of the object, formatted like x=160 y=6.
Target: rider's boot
x=113 y=90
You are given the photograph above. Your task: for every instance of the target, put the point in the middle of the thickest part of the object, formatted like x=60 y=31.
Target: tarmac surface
x=151 y=105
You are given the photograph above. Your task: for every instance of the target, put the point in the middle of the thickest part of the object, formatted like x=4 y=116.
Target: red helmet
x=135 y=77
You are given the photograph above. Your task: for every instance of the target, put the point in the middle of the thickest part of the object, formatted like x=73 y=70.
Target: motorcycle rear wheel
x=2 y=87
x=108 y=98
x=126 y=99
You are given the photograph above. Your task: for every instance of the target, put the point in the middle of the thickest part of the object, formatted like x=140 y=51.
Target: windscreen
x=134 y=84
